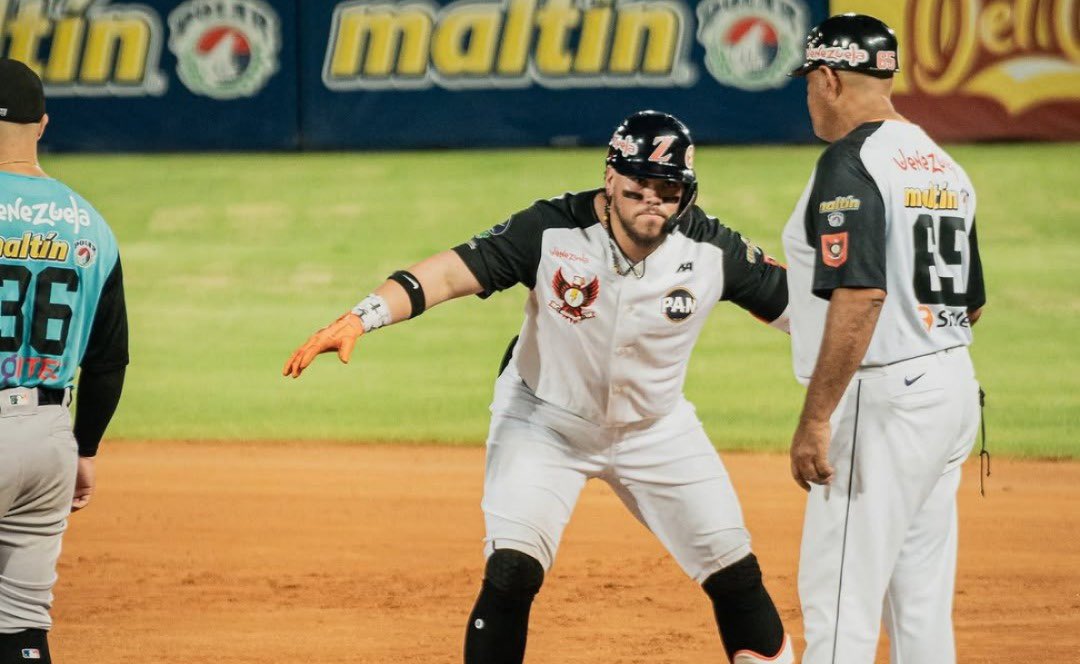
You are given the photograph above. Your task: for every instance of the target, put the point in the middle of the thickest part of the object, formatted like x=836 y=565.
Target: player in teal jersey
x=61 y=308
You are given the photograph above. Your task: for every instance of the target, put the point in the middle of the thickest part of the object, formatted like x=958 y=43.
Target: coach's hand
x=810 y=453
x=341 y=335
x=84 y=484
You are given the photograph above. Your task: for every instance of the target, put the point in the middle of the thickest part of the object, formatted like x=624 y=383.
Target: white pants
x=665 y=471
x=38 y=463
x=882 y=536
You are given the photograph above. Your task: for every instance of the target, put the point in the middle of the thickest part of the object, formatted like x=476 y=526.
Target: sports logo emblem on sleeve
x=573 y=296
x=834 y=249
x=225 y=49
x=752 y=45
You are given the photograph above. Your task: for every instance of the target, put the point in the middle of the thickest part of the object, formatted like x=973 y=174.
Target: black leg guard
x=500 y=620
x=27 y=647
x=745 y=613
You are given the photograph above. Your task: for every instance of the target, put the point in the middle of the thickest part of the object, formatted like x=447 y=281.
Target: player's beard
x=646 y=236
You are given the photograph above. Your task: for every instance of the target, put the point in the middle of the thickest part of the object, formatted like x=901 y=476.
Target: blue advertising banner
x=161 y=74
x=416 y=73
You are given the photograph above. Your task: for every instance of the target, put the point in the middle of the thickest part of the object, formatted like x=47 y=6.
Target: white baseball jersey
x=885 y=208
x=612 y=348
x=593 y=389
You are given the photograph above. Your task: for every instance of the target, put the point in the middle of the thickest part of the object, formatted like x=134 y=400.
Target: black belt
x=49 y=396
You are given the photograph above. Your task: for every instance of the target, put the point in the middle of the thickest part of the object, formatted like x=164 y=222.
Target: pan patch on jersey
x=834 y=249
x=678 y=304
x=572 y=296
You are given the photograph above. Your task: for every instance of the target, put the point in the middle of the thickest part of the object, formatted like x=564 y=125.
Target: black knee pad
x=27 y=647
x=734 y=581
x=745 y=614
x=514 y=573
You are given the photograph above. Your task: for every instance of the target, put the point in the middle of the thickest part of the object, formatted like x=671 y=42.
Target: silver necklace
x=616 y=250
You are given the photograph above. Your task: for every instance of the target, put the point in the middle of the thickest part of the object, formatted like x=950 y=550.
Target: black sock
x=27 y=647
x=745 y=614
x=498 y=626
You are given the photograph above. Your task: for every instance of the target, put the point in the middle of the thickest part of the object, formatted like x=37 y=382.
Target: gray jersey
x=885 y=208
x=609 y=347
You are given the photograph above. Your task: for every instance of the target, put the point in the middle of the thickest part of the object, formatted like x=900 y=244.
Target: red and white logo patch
x=624 y=144
x=834 y=249
x=573 y=296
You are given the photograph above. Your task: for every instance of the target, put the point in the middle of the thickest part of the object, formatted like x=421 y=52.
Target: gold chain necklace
x=19 y=161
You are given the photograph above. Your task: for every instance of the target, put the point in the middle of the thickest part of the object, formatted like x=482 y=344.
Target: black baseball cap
x=22 y=97
x=851 y=42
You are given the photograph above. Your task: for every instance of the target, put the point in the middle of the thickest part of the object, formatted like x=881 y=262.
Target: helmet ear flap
x=688 y=198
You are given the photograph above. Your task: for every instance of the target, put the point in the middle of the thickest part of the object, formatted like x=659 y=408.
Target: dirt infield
x=287 y=553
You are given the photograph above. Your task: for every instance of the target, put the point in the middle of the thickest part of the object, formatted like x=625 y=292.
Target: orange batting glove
x=341 y=335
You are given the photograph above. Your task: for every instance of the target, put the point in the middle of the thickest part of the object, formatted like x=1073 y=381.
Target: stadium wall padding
x=380 y=74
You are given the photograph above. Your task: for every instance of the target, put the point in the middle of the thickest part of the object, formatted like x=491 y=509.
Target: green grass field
x=232 y=260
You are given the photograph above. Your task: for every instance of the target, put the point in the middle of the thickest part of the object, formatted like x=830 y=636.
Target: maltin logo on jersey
x=225 y=49
x=752 y=45
x=678 y=304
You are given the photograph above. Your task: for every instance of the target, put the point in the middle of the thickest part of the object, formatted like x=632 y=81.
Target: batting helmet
x=651 y=144
x=851 y=42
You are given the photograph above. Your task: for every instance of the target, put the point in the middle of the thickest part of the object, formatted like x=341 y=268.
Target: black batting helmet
x=851 y=42
x=651 y=144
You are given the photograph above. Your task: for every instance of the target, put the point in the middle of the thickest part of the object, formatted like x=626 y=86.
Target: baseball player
x=885 y=283
x=620 y=280
x=61 y=307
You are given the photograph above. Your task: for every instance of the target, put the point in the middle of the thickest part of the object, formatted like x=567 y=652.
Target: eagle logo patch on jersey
x=834 y=249
x=573 y=296
x=678 y=304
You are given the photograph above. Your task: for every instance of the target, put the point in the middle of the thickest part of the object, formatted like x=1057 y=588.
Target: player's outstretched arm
x=406 y=294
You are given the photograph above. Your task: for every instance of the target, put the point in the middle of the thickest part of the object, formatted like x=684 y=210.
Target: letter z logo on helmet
x=651 y=144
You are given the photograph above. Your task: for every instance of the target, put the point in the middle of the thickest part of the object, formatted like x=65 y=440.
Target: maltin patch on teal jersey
x=35 y=247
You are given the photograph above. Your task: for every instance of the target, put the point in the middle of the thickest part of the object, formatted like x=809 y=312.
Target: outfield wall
x=287 y=74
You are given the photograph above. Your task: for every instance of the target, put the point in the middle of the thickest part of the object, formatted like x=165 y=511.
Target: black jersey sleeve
x=107 y=347
x=507 y=254
x=845 y=221
x=752 y=279
x=976 y=288
x=96 y=401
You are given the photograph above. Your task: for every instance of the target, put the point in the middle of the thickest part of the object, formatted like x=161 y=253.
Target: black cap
x=22 y=97
x=851 y=42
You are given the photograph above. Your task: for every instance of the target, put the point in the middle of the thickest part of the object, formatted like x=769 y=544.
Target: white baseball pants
x=665 y=470
x=883 y=535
